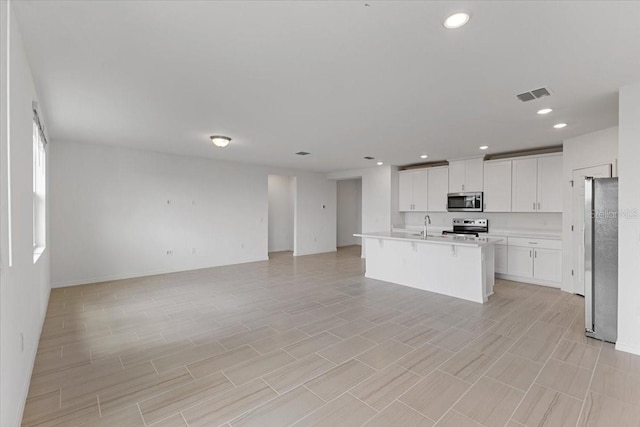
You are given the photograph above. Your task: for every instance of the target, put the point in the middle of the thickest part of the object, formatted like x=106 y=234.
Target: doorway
x=349 y=212
x=281 y=222
x=577 y=212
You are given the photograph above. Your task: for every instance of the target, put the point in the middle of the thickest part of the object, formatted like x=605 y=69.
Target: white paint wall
x=583 y=151
x=24 y=286
x=315 y=217
x=349 y=212
x=281 y=191
x=629 y=225
x=377 y=195
x=115 y=212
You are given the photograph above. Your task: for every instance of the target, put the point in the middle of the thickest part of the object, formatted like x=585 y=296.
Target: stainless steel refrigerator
x=601 y=258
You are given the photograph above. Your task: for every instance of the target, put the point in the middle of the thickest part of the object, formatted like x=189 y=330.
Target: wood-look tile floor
x=310 y=341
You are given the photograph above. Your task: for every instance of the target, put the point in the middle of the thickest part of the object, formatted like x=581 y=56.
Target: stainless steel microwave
x=464 y=202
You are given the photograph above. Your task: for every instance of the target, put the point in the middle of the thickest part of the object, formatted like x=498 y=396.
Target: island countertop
x=433 y=238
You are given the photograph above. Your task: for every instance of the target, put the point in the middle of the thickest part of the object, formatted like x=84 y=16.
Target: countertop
x=493 y=232
x=434 y=238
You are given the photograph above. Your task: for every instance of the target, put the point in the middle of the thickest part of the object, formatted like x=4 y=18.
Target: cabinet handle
x=538 y=205
x=534 y=206
x=530 y=253
x=462 y=187
x=535 y=254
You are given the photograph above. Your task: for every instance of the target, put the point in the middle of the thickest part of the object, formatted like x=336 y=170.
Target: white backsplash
x=498 y=221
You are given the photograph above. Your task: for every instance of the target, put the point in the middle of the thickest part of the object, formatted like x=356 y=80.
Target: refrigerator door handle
x=587 y=233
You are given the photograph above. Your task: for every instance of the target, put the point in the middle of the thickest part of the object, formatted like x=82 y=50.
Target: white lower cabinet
x=537 y=261
x=547 y=265
x=501 y=259
x=520 y=261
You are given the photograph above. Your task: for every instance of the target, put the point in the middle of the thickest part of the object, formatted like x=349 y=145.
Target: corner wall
x=629 y=221
x=24 y=285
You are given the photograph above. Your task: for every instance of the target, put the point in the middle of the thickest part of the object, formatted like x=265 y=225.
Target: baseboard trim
x=633 y=349
x=109 y=278
x=528 y=280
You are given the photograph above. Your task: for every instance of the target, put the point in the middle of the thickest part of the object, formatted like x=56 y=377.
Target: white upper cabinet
x=438 y=181
x=412 y=191
x=497 y=186
x=420 y=187
x=536 y=184
x=549 y=187
x=465 y=175
x=524 y=185
x=405 y=191
x=457 y=176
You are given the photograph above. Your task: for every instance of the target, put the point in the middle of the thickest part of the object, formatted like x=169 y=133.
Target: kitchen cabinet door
x=520 y=261
x=405 y=191
x=524 y=185
x=457 y=176
x=420 y=187
x=547 y=265
x=501 y=259
x=497 y=186
x=474 y=175
x=438 y=182
x=549 y=184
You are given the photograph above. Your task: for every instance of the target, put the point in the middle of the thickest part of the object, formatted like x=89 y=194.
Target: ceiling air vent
x=369 y=158
x=302 y=153
x=534 y=94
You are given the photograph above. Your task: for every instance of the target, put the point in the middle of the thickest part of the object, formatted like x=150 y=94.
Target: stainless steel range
x=468 y=227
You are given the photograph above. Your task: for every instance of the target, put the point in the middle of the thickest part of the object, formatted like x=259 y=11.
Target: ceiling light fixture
x=220 y=141
x=456 y=20
x=483 y=147
x=380 y=163
x=544 y=111
x=560 y=125
x=424 y=156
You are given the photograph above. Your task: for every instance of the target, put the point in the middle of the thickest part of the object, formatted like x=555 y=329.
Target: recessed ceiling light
x=380 y=163
x=456 y=20
x=560 y=125
x=544 y=111
x=483 y=147
x=220 y=141
x=424 y=156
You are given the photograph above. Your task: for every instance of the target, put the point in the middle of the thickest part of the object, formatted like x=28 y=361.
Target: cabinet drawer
x=535 y=243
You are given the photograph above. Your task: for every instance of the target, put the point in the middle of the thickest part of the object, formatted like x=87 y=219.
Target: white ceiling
x=338 y=79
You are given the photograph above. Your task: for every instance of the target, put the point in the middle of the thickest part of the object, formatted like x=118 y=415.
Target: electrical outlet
x=168 y=202
x=315 y=240
x=242 y=245
x=193 y=251
x=169 y=252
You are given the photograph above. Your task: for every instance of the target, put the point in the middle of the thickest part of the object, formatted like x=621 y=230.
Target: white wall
x=315 y=215
x=281 y=191
x=115 y=212
x=377 y=195
x=583 y=151
x=629 y=223
x=24 y=286
x=349 y=215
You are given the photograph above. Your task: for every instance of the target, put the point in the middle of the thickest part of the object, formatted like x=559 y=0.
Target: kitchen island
x=461 y=267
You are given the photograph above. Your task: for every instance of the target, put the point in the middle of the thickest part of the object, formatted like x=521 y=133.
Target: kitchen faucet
x=424 y=230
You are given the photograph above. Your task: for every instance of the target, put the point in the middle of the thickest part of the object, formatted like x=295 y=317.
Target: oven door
x=464 y=202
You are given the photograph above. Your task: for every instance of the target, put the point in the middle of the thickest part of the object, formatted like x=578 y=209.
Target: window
x=39 y=189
